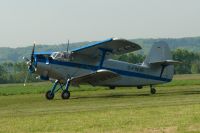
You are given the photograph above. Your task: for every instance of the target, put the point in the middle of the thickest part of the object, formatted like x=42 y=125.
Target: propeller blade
x=25 y=59
x=31 y=67
x=26 y=79
x=32 y=54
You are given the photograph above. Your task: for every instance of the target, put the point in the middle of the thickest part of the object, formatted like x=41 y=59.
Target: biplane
x=93 y=64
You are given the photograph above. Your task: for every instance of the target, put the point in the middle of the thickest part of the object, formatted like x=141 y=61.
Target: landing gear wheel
x=153 y=91
x=112 y=87
x=65 y=94
x=49 y=95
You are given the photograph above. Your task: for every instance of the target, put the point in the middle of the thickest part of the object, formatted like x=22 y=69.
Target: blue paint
x=139 y=75
x=54 y=87
x=35 y=61
x=103 y=51
x=95 y=68
x=31 y=69
x=91 y=45
x=43 y=53
x=102 y=59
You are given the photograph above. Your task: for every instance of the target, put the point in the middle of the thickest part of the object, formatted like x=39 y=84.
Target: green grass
x=175 y=108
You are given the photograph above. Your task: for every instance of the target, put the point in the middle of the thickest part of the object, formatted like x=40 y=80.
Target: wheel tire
x=65 y=94
x=139 y=87
x=112 y=87
x=49 y=95
x=153 y=91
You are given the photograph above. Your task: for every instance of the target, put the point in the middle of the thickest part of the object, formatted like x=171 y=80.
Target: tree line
x=17 y=72
x=190 y=60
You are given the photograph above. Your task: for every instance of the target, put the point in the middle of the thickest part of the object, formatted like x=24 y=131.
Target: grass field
x=175 y=108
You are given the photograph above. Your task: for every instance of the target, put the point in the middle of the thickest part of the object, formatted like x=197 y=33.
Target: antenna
x=68 y=46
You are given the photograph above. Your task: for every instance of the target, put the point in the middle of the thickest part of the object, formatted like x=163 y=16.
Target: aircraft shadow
x=139 y=95
x=191 y=92
x=112 y=96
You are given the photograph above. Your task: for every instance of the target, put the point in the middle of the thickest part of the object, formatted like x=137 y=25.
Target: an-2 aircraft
x=92 y=64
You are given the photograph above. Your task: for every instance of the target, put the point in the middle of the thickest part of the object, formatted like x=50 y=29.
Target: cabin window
x=61 y=56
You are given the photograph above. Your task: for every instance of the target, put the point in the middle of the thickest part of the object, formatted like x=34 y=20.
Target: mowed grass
x=175 y=108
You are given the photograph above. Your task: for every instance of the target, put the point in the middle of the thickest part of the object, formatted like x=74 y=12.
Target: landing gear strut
x=152 y=90
x=64 y=95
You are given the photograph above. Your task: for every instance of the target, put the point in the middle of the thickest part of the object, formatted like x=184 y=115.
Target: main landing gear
x=65 y=92
x=152 y=90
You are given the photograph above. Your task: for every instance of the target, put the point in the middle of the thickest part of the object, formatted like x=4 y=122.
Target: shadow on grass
x=178 y=93
x=112 y=96
x=139 y=95
x=191 y=92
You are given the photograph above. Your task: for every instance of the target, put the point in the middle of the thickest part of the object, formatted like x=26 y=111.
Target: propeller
x=31 y=66
x=32 y=54
x=30 y=62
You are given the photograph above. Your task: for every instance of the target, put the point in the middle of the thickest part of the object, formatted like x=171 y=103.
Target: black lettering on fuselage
x=135 y=68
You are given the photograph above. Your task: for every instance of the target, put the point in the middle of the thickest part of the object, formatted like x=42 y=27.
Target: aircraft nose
x=32 y=67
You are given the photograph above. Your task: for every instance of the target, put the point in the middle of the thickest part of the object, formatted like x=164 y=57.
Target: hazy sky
x=56 y=21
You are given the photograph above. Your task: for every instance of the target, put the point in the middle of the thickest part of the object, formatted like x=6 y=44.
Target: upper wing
x=113 y=45
x=95 y=77
x=43 y=53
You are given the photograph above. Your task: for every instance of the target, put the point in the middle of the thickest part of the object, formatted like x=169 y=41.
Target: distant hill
x=190 y=43
x=15 y=54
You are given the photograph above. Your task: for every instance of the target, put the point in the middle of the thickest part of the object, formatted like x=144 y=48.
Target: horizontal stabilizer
x=95 y=77
x=165 y=62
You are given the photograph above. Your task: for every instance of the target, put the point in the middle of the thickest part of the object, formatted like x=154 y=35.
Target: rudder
x=160 y=60
x=159 y=52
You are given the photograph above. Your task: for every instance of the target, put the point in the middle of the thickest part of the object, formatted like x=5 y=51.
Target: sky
x=56 y=21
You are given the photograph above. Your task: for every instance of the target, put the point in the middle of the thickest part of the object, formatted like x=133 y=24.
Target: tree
x=188 y=58
x=195 y=67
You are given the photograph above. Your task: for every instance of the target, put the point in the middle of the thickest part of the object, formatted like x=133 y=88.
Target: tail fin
x=160 y=59
x=159 y=52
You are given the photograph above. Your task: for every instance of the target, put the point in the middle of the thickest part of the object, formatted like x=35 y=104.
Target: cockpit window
x=53 y=55
x=61 y=55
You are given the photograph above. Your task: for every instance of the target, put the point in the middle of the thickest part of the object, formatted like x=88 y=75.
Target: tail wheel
x=153 y=91
x=139 y=87
x=112 y=87
x=65 y=94
x=49 y=95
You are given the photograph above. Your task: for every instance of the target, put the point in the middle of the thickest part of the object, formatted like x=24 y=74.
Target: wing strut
x=103 y=55
x=162 y=70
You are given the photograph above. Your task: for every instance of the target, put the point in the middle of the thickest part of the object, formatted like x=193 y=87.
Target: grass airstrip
x=175 y=108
